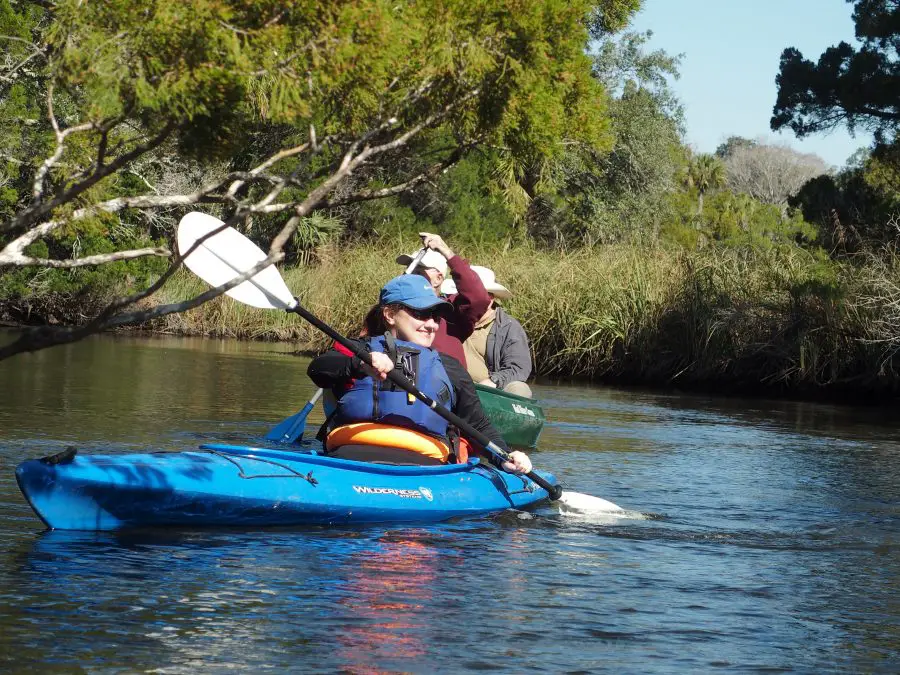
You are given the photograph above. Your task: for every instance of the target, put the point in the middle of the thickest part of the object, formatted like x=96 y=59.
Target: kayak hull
x=519 y=420
x=230 y=485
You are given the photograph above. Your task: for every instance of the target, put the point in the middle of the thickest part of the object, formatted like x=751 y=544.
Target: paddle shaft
x=415 y=261
x=397 y=378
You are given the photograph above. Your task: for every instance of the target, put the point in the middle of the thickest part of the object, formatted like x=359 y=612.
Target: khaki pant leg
x=518 y=388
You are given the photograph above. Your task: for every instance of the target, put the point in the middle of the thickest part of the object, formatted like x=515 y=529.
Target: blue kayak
x=231 y=485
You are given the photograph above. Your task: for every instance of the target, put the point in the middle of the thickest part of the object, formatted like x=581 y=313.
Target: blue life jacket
x=386 y=403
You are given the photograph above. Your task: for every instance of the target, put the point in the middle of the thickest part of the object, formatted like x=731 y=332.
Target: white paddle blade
x=587 y=503
x=228 y=254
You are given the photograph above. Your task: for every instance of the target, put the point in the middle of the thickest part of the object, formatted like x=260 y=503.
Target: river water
x=770 y=543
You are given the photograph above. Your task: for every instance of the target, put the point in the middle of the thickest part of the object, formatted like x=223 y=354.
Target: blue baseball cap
x=413 y=291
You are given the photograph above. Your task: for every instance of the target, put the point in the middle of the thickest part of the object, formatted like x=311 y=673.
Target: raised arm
x=471 y=301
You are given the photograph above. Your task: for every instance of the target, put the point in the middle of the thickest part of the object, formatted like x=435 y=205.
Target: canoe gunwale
x=494 y=391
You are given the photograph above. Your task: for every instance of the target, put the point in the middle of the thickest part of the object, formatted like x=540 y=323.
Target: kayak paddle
x=228 y=254
x=290 y=429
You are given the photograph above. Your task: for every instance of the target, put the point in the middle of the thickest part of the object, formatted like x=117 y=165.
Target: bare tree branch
x=99 y=259
x=49 y=336
x=425 y=176
x=13 y=253
x=40 y=209
x=349 y=163
x=359 y=152
x=37 y=190
x=771 y=173
x=10 y=76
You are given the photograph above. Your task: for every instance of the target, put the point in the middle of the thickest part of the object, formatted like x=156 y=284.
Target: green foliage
x=71 y=294
x=611 y=16
x=575 y=149
x=733 y=143
x=225 y=73
x=239 y=80
x=858 y=207
x=882 y=174
x=623 y=64
x=589 y=197
x=858 y=87
x=773 y=319
x=731 y=220
x=704 y=173
x=465 y=206
x=22 y=133
x=389 y=217
x=740 y=220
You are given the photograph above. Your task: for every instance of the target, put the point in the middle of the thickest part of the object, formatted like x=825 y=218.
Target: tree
x=770 y=173
x=280 y=103
x=859 y=87
x=704 y=173
x=621 y=194
x=857 y=207
x=732 y=144
x=523 y=182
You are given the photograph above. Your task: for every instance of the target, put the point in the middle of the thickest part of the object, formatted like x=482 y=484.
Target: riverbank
x=780 y=321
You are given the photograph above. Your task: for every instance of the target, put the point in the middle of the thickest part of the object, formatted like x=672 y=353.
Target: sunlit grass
x=776 y=317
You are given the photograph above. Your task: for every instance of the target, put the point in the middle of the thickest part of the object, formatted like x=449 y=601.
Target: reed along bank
x=776 y=321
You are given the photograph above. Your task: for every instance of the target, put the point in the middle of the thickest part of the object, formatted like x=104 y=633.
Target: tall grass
x=774 y=318
x=339 y=290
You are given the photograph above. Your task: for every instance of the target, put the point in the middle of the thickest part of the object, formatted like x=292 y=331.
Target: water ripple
x=769 y=544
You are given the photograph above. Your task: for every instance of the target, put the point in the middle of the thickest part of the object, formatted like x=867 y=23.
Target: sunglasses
x=423 y=314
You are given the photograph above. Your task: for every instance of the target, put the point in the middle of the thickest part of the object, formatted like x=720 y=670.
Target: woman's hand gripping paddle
x=229 y=254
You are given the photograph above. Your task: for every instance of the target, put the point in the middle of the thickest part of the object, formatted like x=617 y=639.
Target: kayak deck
x=235 y=485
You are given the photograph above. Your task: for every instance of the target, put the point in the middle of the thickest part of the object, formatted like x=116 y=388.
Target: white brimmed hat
x=487 y=278
x=431 y=259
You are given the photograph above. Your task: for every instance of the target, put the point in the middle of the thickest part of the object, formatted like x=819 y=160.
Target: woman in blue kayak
x=377 y=420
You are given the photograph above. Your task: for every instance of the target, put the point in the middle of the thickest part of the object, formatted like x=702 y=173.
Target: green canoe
x=518 y=419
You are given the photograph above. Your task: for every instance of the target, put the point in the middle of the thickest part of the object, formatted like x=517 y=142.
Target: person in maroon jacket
x=470 y=301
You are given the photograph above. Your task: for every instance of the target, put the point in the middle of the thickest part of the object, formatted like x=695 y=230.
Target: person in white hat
x=469 y=299
x=497 y=352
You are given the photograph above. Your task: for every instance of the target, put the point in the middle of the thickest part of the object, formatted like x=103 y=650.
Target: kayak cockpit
x=314 y=458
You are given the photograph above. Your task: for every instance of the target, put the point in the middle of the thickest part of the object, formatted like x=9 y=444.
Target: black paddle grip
x=555 y=491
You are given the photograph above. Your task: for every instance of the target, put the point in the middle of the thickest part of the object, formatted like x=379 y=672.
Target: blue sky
x=730 y=59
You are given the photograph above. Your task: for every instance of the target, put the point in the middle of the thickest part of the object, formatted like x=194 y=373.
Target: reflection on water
x=139 y=392
x=772 y=544
x=388 y=593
